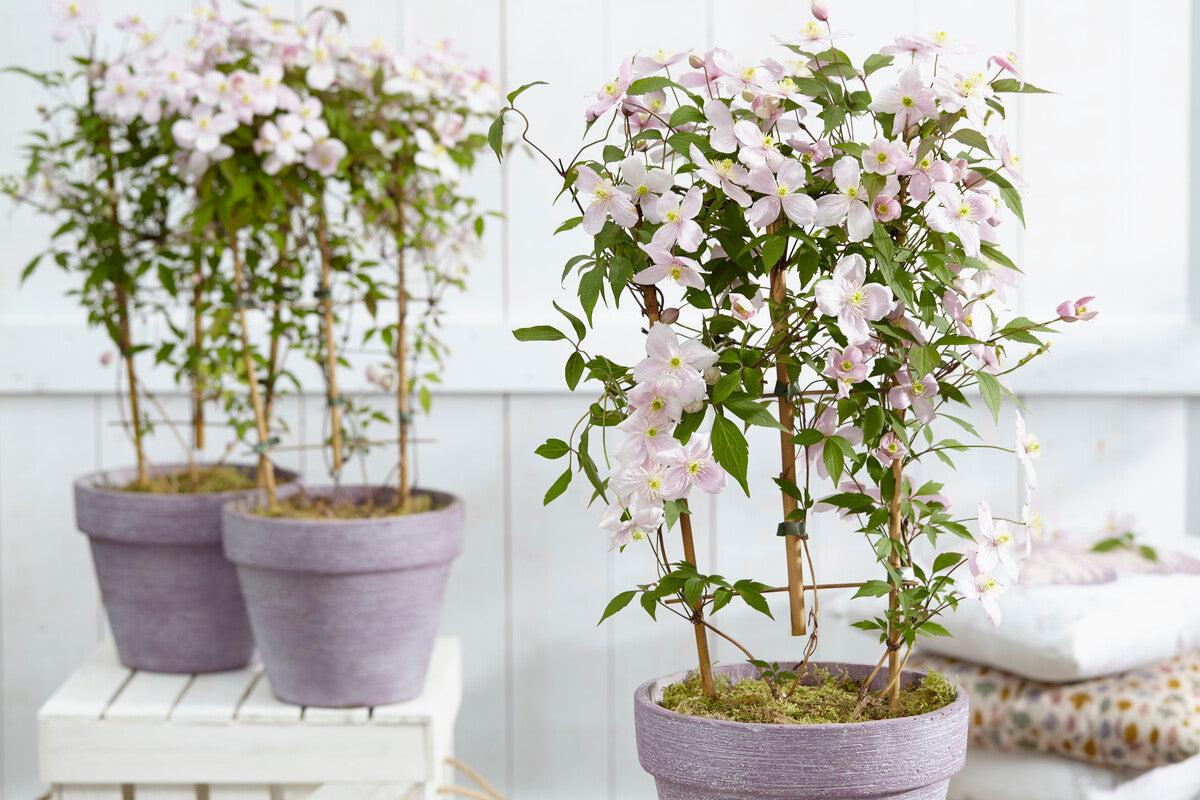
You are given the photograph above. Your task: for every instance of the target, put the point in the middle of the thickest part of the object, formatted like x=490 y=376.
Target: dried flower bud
x=712 y=374
x=820 y=10
x=380 y=375
x=669 y=316
x=107 y=357
x=696 y=60
x=694 y=407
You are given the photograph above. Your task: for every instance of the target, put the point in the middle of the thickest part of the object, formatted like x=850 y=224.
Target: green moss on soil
x=306 y=506
x=831 y=698
x=211 y=480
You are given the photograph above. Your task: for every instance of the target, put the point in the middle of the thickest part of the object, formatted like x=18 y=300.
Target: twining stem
x=894 y=597
x=403 y=410
x=276 y=333
x=266 y=470
x=795 y=553
x=335 y=400
x=689 y=546
x=807 y=587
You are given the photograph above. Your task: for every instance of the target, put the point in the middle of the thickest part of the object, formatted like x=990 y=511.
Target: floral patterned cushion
x=1146 y=717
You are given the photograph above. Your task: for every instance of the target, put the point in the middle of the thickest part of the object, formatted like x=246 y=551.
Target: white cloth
x=990 y=775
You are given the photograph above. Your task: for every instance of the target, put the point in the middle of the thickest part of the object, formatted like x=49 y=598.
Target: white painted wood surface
x=168 y=734
x=546 y=705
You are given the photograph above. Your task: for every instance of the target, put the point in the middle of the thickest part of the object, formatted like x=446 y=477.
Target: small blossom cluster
x=277 y=78
x=652 y=465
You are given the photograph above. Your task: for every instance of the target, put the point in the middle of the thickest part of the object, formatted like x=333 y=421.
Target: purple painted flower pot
x=172 y=598
x=345 y=611
x=692 y=758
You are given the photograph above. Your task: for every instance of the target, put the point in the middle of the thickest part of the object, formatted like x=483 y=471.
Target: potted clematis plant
x=329 y=169
x=106 y=170
x=811 y=244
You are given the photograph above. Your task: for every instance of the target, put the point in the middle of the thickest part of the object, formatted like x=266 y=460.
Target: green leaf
x=872 y=423
x=876 y=61
x=590 y=286
x=725 y=386
x=808 y=437
x=650 y=84
x=772 y=250
x=930 y=628
x=989 y=387
x=617 y=603
x=496 y=136
x=834 y=461
x=730 y=450
x=574 y=370
x=851 y=501
x=924 y=360
x=945 y=561
x=972 y=138
x=552 y=448
x=612 y=154
x=752 y=412
x=873 y=589
x=750 y=592
x=1107 y=544
x=686 y=114
x=721 y=598
x=538 y=333
x=558 y=487
x=575 y=321
x=573 y=222
x=515 y=93
x=1012 y=199
x=1013 y=85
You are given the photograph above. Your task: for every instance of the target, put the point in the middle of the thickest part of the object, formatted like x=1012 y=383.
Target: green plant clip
x=322 y=294
x=407 y=416
x=786 y=390
x=244 y=302
x=263 y=447
x=792 y=528
x=336 y=401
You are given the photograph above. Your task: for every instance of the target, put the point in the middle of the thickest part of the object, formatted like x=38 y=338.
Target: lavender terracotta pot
x=691 y=758
x=345 y=611
x=172 y=599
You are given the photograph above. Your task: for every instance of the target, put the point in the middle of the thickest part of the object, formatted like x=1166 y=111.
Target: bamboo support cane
x=689 y=548
x=793 y=545
x=266 y=470
x=197 y=342
x=335 y=409
x=403 y=411
x=894 y=595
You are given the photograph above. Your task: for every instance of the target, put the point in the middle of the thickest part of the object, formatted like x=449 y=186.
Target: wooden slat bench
x=110 y=733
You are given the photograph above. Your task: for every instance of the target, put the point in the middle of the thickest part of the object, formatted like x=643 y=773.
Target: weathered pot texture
x=345 y=611
x=172 y=598
x=692 y=758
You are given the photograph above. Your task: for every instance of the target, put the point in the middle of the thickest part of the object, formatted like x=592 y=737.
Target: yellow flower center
x=856 y=299
x=658 y=404
x=964 y=211
x=847 y=366
x=811 y=30
x=907 y=101
x=693 y=467
x=676 y=273
x=673 y=216
x=603 y=190
x=643 y=190
x=987 y=584
x=881 y=158
x=637 y=534
x=748 y=74
x=651 y=433
x=852 y=192
x=768 y=142
x=783 y=190
x=676 y=362
x=610 y=89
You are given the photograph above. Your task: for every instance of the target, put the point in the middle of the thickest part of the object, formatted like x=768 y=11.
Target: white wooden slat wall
x=547 y=711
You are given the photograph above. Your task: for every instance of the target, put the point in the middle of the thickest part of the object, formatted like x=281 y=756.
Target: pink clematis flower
x=1009 y=160
x=965 y=214
x=612 y=93
x=639 y=484
x=744 y=309
x=997 y=544
x=758 y=149
x=119 y=94
x=649 y=64
x=882 y=156
x=723 y=173
x=1073 y=312
x=915 y=393
x=811 y=38
x=885 y=208
x=644 y=183
x=849 y=204
x=847 y=367
x=73 y=15
x=680 y=363
x=325 y=156
x=603 y=200
x=1008 y=63
x=689 y=465
x=1028 y=449
x=641 y=524
x=826 y=423
x=924 y=173
x=910 y=101
x=647 y=433
x=820 y=10
x=202 y=131
x=678 y=218
x=891 y=448
x=854 y=302
x=780 y=193
x=684 y=271
x=967 y=92
x=982 y=587
x=659 y=397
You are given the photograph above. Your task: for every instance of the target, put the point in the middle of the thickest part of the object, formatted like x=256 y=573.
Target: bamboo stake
x=894 y=595
x=807 y=587
x=689 y=547
x=126 y=344
x=266 y=470
x=197 y=342
x=403 y=410
x=335 y=410
x=795 y=552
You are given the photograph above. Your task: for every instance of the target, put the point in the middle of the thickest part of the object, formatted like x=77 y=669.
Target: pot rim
x=643 y=696
x=237 y=507
x=88 y=482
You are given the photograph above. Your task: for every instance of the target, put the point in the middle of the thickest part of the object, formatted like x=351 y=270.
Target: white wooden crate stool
x=110 y=733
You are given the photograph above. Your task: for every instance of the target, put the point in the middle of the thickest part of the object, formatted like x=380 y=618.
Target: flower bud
x=712 y=374
x=694 y=407
x=106 y=358
x=748 y=95
x=820 y=10
x=669 y=316
x=696 y=60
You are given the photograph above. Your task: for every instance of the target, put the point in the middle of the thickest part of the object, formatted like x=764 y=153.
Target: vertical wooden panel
x=560 y=706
